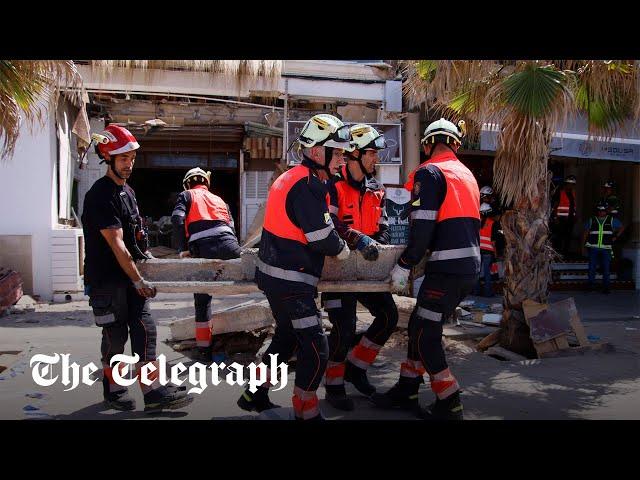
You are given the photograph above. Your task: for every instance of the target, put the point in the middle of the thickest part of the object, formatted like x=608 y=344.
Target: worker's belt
x=281 y=273
x=454 y=254
x=211 y=232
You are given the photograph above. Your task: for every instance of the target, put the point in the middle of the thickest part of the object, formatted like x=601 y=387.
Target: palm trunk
x=528 y=257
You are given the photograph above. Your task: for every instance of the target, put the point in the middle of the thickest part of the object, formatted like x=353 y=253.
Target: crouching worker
x=203 y=228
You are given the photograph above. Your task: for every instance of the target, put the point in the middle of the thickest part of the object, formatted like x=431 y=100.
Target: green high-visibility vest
x=600 y=233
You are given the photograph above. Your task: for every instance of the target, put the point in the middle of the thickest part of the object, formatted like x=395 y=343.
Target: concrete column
x=411 y=146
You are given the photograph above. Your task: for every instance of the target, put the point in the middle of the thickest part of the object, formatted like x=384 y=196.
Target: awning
x=578 y=145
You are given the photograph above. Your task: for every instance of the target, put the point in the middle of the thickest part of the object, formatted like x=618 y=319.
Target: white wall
x=28 y=198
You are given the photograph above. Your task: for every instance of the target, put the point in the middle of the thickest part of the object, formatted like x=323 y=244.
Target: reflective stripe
x=319 y=234
x=429 y=314
x=424 y=215
x=412 y=368
x=454 y=253
x=595 y=231
x=126 y=148
x=561 y=214
x=603 y=247
x=283 y=274
x=105 y=319
x=334 y=374
x=333 y=304
x=210 y=232
x=333 y=209
x=306 y=322
x=364 y=353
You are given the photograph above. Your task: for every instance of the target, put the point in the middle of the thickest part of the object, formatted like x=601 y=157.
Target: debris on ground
x=10 y=288
x=504 y=354
x=552 y=326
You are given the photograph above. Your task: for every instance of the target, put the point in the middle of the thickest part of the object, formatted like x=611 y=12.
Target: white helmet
x=485 y=209
x=444 y=128
x=366 y=137
x=196 y=174
x=325 y=130
x=486 y=190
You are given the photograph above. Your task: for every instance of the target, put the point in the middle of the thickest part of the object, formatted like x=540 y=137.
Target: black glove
x=368 y=248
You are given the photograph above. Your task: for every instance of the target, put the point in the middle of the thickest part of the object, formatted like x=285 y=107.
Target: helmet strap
x=111 y=166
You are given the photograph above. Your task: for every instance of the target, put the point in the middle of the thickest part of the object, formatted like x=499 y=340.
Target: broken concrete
x=243 y=319
x=242 y=269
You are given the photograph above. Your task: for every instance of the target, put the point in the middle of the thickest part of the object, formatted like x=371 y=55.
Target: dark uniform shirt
x=107 y=205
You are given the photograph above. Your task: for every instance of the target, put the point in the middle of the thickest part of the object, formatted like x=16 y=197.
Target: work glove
x=184 y=254
x=399 y=278
x=368 y=247
x=344 y=253
x=145 y=288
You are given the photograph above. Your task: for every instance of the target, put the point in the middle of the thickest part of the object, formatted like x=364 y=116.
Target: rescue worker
x=297 y=234
x=490 y=239
x=600 y=232
x=445 y=220
x=358 y=212
x=487 y=195
x=204 y=220
x=609 y=196
x=118 y=295
x=563 y=216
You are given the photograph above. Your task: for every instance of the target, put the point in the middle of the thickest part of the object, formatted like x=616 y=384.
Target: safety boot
x=119 y=401
x=404 y=395
x=448 y=409
x=358 y=378
x=164 y=398
x=257 y=402
x=337 y=397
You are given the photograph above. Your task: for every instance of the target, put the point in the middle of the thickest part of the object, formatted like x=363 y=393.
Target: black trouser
x=438 y=297
x=562 y=230
x=223 y=247
x=341 y=308
x=122 y=312
x=299 y=329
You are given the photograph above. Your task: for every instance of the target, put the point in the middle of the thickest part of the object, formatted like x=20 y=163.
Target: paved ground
x=593 y=386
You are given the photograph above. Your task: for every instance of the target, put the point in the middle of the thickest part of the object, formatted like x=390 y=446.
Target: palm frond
x=28 y=89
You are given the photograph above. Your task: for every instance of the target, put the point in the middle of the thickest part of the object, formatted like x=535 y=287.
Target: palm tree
x=27 y=89
x=526 y=101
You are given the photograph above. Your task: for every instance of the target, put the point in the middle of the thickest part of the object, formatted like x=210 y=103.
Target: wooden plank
x=532 y=309
x=489 y=340
x=576 y=324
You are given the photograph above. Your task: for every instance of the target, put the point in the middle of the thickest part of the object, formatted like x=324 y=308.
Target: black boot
x=448 y=409
x=358 y=377
x=117 y=400
x=258 y=401
x=204 y=354
x=337 y=397
x=403 y=394
x=120 y=401
x=164 y=398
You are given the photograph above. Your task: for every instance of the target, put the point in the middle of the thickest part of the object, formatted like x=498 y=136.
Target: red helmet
x=116 y=140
